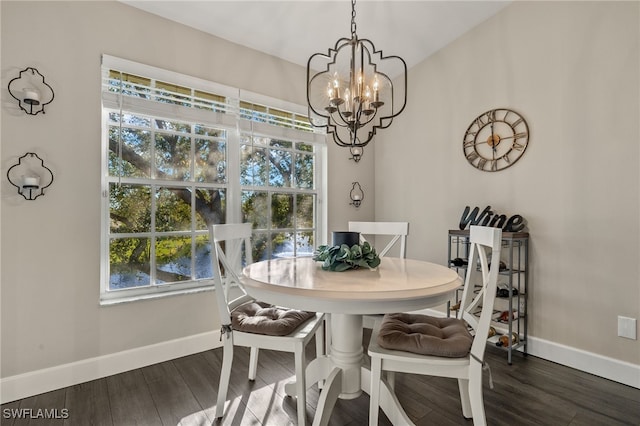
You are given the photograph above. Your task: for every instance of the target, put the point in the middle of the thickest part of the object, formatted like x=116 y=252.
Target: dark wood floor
x=531 y=391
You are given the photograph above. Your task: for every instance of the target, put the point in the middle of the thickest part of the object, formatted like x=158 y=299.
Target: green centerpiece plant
x=340 y=258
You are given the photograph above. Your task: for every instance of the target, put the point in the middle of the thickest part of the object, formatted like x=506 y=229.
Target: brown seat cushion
x=425 y=335
x=262 y=318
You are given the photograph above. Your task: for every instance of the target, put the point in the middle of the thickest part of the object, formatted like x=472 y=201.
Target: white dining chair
x=250 y=323
x=394 y=237
x=444 y=347
x=397 y=231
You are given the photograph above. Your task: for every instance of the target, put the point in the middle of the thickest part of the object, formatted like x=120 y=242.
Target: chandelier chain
x=353 y=18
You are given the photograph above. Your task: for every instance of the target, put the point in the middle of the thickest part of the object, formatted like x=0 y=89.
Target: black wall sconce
x=356 y=153
x=30 y=176
x=356 y=194
x=30 y=90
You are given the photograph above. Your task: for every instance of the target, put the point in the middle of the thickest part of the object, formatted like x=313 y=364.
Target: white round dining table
x=396 y=285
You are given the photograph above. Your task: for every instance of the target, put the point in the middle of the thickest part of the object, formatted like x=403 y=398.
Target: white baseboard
x=589 y=362
x=599 y=365
x=36 y=382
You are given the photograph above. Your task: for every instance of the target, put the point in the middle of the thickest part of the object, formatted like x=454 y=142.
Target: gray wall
x=51 y=246
x=572 y=70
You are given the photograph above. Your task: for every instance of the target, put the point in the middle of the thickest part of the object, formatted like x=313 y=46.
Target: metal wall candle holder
x=30 y=89
x=356 y=194
x=30 y=176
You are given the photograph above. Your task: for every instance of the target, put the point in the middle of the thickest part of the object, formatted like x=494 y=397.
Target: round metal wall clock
x=495 y=140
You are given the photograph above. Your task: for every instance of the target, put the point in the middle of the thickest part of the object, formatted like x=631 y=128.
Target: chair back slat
x=397 y=230
x=481 y=283
x=227 y=265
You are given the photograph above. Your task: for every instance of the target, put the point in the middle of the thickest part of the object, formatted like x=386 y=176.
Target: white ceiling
x=294 y=30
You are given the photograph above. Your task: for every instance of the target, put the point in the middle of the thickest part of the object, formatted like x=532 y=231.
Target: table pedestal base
x=343 y=373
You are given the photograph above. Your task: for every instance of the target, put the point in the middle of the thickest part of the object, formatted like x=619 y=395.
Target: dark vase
x=344 y=237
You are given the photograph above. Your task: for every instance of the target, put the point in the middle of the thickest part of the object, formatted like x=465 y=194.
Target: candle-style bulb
x=348 y=100
x=335 y=93
x=376 y=102
x=367 y=108
x=336 y=80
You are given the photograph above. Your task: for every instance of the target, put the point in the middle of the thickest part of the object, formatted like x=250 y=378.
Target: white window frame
x=234 y=125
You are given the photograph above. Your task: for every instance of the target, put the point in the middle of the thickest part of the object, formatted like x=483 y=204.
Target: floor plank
x=88 y=404
x=172 y=397
x=183 y=392
x=43 y=410
x=131 y=401
x=10 y=411
x=202 y=379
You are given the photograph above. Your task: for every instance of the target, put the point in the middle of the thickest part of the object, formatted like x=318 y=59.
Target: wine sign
x=515 y=223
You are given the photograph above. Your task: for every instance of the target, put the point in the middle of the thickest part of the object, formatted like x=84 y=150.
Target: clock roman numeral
x=518 y=121
x=520 y=135
x=472 y=156
x=481 y=163
x=518 y=146
x=494 y=165
x=468 y=144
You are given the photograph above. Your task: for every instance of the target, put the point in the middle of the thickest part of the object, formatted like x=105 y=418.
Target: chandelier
x=350 y=91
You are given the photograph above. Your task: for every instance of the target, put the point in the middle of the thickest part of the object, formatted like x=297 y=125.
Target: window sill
x=120 y=297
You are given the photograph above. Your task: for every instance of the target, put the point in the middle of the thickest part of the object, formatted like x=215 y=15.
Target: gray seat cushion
x=263 y=318
x=425 y=335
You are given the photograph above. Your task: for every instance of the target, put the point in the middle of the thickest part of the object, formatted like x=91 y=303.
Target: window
x=181 y=153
